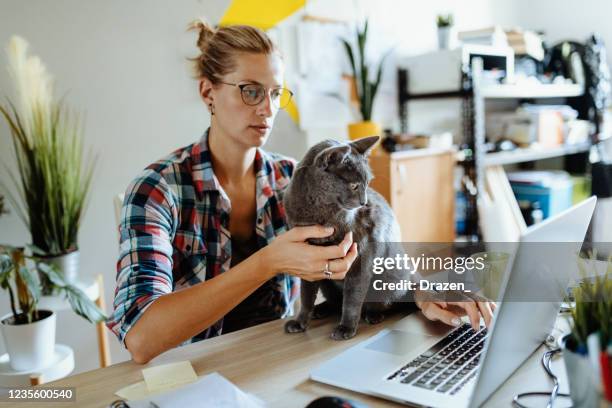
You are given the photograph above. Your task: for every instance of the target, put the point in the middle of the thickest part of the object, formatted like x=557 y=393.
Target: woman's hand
x=451 y=312
x=290 y=253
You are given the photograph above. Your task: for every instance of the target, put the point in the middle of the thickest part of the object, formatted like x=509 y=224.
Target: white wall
x=123 y=63
x=568 y=20
x=409 y=28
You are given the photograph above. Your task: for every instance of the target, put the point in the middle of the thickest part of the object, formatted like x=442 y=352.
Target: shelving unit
x=474 y=159
x=533 y=154
x=532 y=91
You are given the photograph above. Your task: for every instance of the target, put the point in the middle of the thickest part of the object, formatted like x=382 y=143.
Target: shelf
x=531 y=154
x=420 y=152
x=532 y=91
x=61 y=365
x=525 y=91
x=435 y=95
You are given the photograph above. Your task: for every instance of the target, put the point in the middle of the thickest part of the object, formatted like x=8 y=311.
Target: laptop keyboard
x=448 y=365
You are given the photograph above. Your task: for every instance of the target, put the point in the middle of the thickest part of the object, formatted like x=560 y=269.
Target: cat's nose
x=363 y=200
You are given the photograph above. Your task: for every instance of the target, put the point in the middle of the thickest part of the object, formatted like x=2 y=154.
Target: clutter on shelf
x=401 y=142
x=522 y=42
x=545 y=125
x=552 y=190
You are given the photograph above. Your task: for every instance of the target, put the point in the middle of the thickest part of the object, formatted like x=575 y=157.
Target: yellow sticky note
x=169 y=376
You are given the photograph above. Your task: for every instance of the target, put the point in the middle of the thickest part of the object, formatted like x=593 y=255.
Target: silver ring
x=326 y=271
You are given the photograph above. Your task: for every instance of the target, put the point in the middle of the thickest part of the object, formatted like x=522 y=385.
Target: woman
x=204 y=244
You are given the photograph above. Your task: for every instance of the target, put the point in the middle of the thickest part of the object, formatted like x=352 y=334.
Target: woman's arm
x=173 y=318
x=178 y=316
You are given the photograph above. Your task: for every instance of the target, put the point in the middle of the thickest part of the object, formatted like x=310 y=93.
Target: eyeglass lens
x=253 y=94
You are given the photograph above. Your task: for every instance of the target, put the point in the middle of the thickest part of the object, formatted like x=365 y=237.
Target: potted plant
x=28 y=332
x=364 y=87
x=590 y=336
x=445 y=24
x=54 y=179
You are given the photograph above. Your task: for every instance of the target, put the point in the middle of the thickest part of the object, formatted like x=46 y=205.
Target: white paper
x=212 y=390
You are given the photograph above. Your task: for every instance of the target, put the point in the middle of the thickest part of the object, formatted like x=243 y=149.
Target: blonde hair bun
x=205 y=32
x=220 y=46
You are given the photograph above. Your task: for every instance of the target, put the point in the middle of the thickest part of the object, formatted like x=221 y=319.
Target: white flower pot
x=444 y=34
x=30 y=346
x=581 y=378
x=67 y=264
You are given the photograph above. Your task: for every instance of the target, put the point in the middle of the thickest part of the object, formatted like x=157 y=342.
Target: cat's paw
x=322 y=310
x=343 y=332
x=295 y=326
x=374 y=317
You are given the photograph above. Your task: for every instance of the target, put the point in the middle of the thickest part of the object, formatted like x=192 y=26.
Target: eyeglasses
x=254 y=94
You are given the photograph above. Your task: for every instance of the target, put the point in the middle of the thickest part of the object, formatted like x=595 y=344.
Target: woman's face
x=246 y=125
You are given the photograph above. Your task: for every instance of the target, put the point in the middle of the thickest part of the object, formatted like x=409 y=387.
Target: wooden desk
x=275 y=366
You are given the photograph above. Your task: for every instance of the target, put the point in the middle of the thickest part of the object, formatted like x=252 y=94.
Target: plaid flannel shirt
x=174 y=232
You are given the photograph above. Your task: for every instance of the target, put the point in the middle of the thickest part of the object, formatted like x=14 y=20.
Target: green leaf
x=349 y=52
x=35 y=250
x=53 y=274
x=6 y=263
x=83 y=306
x=366 y=90
x=366 y=103
x=6 y=270
x=54 y=180
x=379 y=74
x=31 y=282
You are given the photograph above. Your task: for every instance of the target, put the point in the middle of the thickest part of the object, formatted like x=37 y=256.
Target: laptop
x=419 y=362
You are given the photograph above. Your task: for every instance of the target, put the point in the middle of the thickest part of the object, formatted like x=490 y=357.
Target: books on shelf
x=494 y=36
x=523 y=42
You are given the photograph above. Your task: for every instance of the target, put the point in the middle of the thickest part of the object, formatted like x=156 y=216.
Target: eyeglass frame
x=241 y=86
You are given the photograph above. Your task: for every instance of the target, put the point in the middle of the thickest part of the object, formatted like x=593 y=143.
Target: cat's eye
x=354 y=186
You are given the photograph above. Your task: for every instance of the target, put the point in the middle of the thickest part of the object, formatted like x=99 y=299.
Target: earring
x=211 y=108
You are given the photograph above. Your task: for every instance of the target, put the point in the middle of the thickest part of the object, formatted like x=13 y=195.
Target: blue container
x=552 y=189
x=460 y=209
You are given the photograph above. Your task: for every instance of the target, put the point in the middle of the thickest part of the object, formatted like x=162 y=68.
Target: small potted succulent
x=445 y=25
x=365 y=82
x=591 y=335
x=29 y=332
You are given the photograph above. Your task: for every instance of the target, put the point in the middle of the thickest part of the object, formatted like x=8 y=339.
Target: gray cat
x=330 y=187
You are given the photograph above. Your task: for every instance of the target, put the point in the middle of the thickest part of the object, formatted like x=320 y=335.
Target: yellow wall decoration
x=264 y=15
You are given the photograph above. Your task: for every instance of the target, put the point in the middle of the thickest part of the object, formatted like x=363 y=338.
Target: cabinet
x=418 y=185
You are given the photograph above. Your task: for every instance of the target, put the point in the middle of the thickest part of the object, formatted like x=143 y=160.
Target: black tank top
x=257 y=307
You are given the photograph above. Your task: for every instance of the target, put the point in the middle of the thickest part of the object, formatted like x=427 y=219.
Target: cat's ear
x=365 y=145
x=332 y=155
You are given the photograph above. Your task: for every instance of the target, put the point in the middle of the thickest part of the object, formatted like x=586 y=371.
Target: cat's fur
x=320 y=193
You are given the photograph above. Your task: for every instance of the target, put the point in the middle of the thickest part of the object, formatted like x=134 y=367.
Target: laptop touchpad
x=399 y=342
